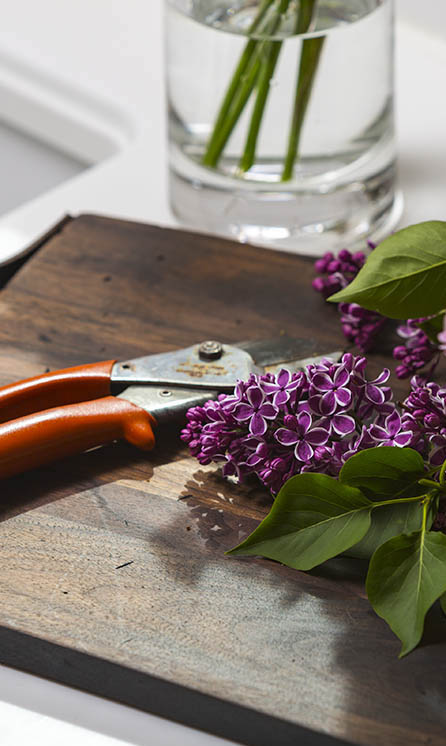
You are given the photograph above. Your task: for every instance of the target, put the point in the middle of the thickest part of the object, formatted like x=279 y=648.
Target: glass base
x=305 y=222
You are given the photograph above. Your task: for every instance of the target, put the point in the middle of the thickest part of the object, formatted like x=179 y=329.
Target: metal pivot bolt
x=210 y=350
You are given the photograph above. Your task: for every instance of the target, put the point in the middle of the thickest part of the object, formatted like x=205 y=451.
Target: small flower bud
x=344 y=255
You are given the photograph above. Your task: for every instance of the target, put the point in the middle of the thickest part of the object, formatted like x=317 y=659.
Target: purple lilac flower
x=331 y=391
x=299 y=433
x=277 y=426
x=442 y=336
x=438 y=452
x=425 y=419
x=360 y=326
x=373 y=391
x=390 y=433
x=335 y=273
x=256 y=410
x=277 y=470
x=416 y=351
x=282 y=387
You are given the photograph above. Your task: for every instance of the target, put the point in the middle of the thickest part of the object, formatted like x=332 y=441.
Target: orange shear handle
x=43 y=437
x=54 y=389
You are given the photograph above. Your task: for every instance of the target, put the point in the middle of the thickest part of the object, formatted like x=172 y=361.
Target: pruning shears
x=68 y=411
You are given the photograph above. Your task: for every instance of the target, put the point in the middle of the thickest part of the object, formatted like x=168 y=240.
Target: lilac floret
x=361 y=327
x=374 y=390
x=299 y=433
x=335 y=273
x=256 y=411
x=424 y=418
x=331 y=392
x=390 y=433
x=417 y=350
x=442 y=336
x=284 y=386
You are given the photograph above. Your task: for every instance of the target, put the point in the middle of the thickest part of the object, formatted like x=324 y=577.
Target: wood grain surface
x=114 y=577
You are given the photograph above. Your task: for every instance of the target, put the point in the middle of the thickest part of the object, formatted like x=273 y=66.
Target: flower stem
x=256 y=68
x=426 y=505
x=429 y=483
x=383 y=503
x=442 y=474
x=305 y=16
x=268 y=66
x=309 y=60
x=238 y=91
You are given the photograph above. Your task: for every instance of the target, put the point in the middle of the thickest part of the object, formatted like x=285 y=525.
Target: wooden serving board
x=114 y=577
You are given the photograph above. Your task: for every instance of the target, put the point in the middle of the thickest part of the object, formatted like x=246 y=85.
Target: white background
x=113 y=49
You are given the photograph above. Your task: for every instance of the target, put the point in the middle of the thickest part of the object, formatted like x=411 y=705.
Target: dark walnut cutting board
x=113 y=575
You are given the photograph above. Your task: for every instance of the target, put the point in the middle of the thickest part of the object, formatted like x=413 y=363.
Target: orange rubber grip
x=47 y=436
x=54 y=389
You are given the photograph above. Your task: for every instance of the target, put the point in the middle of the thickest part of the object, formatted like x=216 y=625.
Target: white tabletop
x=112 y=50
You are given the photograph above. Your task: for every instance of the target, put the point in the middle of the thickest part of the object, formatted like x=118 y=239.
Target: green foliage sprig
x=316 y=517
x=384 y=503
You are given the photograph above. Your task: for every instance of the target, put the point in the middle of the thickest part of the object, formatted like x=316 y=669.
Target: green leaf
x=313 y=518
x=387 y=522
x=406 y=576
x=385 y=472
x=405 y=276
x=432 y=327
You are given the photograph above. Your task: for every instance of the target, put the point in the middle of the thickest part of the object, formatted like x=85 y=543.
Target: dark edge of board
x=8 y=270
x=152 y=694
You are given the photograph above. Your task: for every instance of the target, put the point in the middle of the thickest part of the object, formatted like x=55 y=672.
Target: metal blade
x=166 y=404
x=294 y=365
x=196 y=367
x=286 y=352
x=216 y=366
